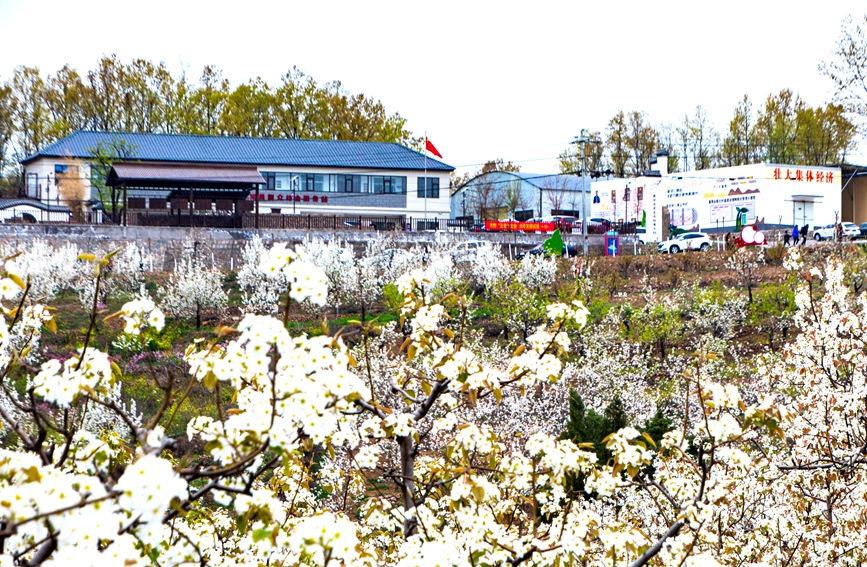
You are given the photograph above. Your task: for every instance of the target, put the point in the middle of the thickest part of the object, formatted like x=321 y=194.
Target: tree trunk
x=407 y=487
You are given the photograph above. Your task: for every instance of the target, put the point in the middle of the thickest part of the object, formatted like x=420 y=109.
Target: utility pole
x=583 y=140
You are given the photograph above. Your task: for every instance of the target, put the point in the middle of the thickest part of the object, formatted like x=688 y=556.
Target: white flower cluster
x=141 y=313
x=489 y=266
x=193 y=285
x=439 y=270
x=261 y=294
x=147 y=487
x=427 y=320
x=283 y=386
x=60 y=383
x=306 y=281
x=626 y=453
x=537 y=270
x=326 y=536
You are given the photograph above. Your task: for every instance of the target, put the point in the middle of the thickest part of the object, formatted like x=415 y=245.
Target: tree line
x=783 y=129
x=142 y=96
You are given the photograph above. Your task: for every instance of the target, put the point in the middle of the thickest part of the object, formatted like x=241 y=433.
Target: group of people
x=792 y=239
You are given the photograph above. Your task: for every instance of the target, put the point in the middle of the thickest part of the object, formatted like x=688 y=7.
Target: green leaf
x=554 y=245
x=18 y=281
x=32 y=474
x=176 y=506
x=113 y=253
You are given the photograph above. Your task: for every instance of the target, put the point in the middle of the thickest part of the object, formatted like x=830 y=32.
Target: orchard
x=482 y=413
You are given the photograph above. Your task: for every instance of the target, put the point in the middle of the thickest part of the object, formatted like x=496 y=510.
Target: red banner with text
x=514 y=226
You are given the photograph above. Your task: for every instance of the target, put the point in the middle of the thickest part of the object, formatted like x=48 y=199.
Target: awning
x=183 y=176
x=805 y=198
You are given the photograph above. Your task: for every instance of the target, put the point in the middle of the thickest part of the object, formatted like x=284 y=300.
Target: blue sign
x=612 y=244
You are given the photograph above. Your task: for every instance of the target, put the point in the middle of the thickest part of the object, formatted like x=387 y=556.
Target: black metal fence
x=237 y=217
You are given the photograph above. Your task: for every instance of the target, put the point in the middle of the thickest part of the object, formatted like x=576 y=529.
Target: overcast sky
x=516 y=80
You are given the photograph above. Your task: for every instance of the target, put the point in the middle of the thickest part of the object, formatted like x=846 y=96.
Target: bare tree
x=72 y=190
x=849 y=68
x=513 y=198
x=482 y=198
x=556 y=193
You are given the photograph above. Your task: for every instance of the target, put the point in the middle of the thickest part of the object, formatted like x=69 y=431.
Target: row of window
x=335 y=183
x=428 y=187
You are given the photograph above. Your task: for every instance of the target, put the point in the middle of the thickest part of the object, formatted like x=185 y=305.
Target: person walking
x=794 y=236
x=805 y=230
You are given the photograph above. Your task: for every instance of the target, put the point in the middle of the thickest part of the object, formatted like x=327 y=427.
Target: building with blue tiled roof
x=301 y=176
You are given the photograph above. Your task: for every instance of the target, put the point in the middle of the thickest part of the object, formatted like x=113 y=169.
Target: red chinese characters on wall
x=809 y=175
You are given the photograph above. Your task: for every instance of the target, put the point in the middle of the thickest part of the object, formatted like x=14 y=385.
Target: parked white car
x=823 y=232
x=828 y=231
x=685 y=241
x=851 y=230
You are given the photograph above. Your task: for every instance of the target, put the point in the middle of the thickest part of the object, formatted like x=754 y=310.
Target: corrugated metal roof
x=249 y=151
x=547 y=181
x=210 y=176
x=553 y=181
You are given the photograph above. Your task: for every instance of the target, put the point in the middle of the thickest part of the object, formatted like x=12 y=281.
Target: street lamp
x=293 y=181
x=583 y=140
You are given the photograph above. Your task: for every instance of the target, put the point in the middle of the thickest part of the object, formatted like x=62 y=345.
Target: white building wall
x=772 y=194
x=708 y=199
x=43 y=171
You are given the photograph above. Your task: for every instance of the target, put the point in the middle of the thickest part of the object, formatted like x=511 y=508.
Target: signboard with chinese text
x=809 y=175
x=523 y=226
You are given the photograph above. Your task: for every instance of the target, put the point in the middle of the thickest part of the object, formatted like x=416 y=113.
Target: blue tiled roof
x=249 y=151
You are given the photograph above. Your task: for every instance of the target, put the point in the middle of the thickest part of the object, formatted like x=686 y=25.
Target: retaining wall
x=162 y=244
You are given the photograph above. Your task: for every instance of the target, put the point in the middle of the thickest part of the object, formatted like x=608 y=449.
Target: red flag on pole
x=430 y=147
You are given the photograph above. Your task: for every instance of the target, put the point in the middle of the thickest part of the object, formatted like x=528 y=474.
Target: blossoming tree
x=769 y=473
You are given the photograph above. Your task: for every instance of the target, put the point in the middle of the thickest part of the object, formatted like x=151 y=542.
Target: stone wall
x=162 y=244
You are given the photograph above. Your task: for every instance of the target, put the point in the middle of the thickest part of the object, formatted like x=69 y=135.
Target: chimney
x=659 y=162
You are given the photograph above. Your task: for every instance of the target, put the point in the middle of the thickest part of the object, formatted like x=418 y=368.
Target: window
x=61 y=169
x=319 y=182
x=349 y=183
x=376 y=184
x=428 y=188
x=270 y=180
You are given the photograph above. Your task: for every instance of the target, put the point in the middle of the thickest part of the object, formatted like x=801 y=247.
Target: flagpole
x=425 y=181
